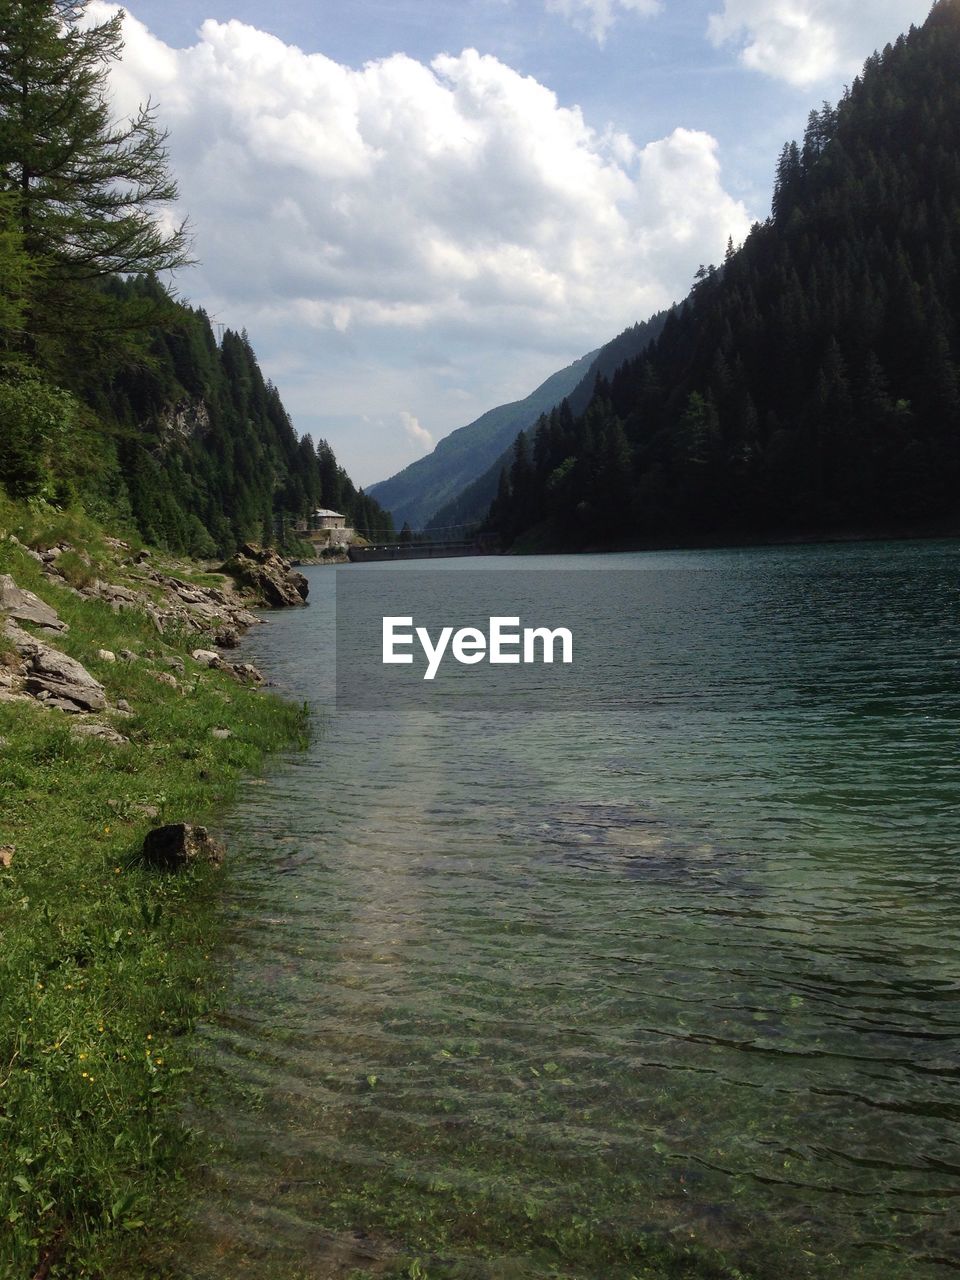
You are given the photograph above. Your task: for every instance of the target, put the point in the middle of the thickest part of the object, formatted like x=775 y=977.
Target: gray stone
x=246 y=673
x=174 y=664
x=56 y=679
x=102 y=732
x=105 y=655
x=222 y=734
x=206 y=657
x=227 y=638
x=29 y=551
x=269 y=575
x=24 y=606
x=173 y=848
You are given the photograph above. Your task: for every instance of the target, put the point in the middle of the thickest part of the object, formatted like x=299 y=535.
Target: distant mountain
x=415 y=493
x=473 y=501
x=810 y=384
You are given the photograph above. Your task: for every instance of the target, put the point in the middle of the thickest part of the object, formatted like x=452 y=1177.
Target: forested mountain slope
x=810 y=383
x=415 y=493
x=471 y=504
x=206 y=454
x=111 y=393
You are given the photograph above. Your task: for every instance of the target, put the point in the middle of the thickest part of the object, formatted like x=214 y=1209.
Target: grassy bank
x=103 y=963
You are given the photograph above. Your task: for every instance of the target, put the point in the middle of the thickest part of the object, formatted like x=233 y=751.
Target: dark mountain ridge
x=470 y=506
x=415 y=493
x=810 y=383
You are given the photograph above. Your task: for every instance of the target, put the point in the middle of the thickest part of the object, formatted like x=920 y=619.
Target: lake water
x=665 y=986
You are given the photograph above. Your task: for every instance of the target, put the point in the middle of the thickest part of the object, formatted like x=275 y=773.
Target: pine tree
x=15 y=275
x=88 y=190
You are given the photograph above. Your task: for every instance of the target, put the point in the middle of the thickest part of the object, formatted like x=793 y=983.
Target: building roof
x=322 y=511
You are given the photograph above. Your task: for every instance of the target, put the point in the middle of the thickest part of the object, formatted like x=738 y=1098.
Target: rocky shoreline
x=126 y=724
x=34 y=668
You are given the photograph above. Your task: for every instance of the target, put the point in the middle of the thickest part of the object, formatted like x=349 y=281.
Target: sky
x=420 y=209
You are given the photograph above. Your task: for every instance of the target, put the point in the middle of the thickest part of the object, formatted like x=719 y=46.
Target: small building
x=327 y=529
x=324 y=519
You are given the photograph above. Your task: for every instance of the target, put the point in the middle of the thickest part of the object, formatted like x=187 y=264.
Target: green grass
x=104 y=965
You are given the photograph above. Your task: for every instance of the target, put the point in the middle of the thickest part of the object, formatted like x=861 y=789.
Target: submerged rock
x=181 y=845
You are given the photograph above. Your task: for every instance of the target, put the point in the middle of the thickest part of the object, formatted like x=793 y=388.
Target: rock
x=60 y=681
x=174 y=664
x=24 y=606
x=227 y=638
x=127 y=655
x=164 y=677
x=103 y=732
x=122 y=808
x=244 y=619
x=10 y=664
x=124 y=707
x=245 y=672
x=28 y=551
x=206 y=657
x=114 y=593
x=106 y=656
x=6 y=856
x=269 y=575
x=222 y=734
x=176 y=847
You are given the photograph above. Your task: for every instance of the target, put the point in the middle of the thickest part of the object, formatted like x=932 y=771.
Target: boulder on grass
x=24 y=606
x=179 y=846
x=58 y=680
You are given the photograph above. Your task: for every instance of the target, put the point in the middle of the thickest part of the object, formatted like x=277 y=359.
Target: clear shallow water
x=667 y=986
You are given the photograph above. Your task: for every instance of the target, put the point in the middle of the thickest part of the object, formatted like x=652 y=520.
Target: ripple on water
x=683 y=973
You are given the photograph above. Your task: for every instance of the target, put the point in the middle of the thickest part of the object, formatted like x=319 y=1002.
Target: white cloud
x=418 y=434
x=399 y=232
x=806 y=42
x=596 y=17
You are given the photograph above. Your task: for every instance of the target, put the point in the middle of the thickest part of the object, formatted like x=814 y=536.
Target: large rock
x=182 y=845
x=53 y=678
x=24 y=606
x=263 y=571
